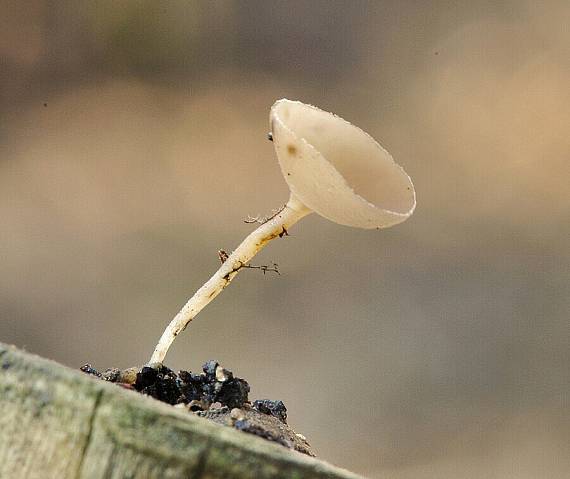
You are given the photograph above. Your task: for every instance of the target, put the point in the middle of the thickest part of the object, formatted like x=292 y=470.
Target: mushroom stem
x=277 y=226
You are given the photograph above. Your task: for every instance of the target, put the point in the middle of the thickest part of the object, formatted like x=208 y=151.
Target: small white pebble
x=221 y=374
x=237 y=414
x=129 y=375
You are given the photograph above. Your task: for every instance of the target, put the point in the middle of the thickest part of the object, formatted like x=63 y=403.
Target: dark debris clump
x=160 y=383
x=88 y=369
x=273 y=408
x=215 y=385
x=215 y=394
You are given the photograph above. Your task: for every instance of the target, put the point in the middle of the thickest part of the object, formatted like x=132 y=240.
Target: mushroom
x=332 y=168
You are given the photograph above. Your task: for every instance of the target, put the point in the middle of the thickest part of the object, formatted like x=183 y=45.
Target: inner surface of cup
x=367 y=168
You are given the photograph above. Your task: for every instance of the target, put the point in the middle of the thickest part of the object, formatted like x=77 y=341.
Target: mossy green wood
x=56 y=422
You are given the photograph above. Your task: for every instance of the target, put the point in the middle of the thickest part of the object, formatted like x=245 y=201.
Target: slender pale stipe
x=242 y=255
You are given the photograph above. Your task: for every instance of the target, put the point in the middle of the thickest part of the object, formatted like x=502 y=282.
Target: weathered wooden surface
x=59 y=423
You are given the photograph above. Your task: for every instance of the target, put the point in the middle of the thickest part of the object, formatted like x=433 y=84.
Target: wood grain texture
x=58 y=423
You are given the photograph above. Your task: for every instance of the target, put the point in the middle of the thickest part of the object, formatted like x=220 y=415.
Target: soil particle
x=196 y=406
x=251 y=421
x=146 y=377
x=191 y=386
x=128 y=376
x=213 y=411
x=209 y=368
x=215 y=385
x=222 y=374
x=88 y=369
x=112 y=375
x=160 y=383
x=215 y=394
x=234 y=393
x=247 y=426
x=273 y=408
x=236 y=414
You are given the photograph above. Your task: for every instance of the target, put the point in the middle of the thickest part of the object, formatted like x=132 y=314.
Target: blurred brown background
x=132 y=146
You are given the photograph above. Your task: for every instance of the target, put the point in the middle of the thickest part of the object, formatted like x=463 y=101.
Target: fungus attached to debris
x=332 y=168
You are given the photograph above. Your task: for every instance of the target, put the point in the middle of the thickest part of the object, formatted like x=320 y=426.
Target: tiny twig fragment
x=264 y=219
x=223 y=256
x=264 y=268
x=274 y=268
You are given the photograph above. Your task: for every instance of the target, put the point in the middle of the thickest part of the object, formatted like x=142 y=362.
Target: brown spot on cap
x=292 y=150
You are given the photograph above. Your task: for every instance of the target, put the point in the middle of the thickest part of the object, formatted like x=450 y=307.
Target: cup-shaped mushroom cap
x=337 y=170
